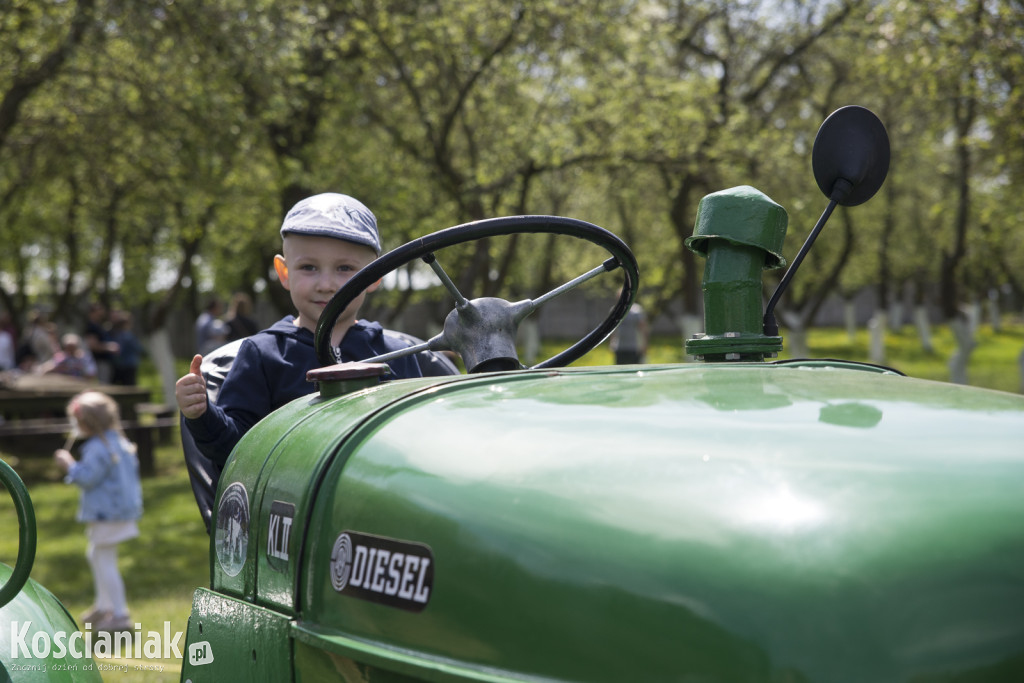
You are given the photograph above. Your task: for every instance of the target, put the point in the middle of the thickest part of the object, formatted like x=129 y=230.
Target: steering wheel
x=26 y=533
x=483 y=331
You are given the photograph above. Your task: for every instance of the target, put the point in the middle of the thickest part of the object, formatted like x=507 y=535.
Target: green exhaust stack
x=740 y=231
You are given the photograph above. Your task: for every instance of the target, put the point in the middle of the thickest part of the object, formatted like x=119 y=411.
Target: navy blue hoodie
x=270 y=371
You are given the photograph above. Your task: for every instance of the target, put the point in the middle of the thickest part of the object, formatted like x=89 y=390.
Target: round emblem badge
x=341 y=562
x=232 y=534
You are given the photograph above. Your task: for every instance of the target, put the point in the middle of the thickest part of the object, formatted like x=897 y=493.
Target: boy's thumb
x=197 y=360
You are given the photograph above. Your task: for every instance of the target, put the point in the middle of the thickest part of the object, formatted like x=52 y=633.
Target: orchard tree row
x=148 y=149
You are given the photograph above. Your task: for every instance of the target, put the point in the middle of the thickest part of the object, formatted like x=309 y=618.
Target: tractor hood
x=808 y=521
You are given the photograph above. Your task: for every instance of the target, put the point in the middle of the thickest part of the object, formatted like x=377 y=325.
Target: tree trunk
x=163 y=358
x=974 y=317
x=1021 y=364
x=797 y=328
x=894 y=320
x=964 y=108
x=962 y=332
x=529 y=333
x=47 y=68
x=798 y=342
x=924 y=328
x=690 y=324
x=850 y=318
x=876 y=332
x=994 y=315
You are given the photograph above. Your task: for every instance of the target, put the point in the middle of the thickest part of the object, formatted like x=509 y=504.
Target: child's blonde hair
x=95 y=413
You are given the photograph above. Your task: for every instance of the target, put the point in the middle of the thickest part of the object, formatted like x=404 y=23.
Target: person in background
x=240 y=322
x=99 y=342
x=206 y=323
x=8 y=359
x=72 y=360
x=38 y=343
x=110 y=503
x=216 y=336
x=630 y=338
x=129 y=354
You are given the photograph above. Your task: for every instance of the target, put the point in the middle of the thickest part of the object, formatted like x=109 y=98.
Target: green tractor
x=733 y=520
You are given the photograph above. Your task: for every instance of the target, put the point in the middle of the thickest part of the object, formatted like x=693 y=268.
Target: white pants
x=102 y=554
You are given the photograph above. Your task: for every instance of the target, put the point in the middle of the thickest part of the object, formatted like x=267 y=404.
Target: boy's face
x=312 y=269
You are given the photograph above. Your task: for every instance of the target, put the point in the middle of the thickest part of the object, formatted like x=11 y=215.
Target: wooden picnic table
x=28 y=396
x=33 y=418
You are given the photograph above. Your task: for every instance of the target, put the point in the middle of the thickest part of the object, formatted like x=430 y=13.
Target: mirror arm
x=840 y=190
x=855 y=174
x=771 y=326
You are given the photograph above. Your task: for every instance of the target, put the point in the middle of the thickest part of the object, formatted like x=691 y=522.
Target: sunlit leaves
x=185 y=125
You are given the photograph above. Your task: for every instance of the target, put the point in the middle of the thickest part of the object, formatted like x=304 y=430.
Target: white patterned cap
x=333 y=215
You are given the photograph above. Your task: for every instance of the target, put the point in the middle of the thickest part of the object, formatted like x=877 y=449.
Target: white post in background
x=876 y=333
x=163 y=358
x=797 y=337
x=974 y=316
x=530 y=331
x=963 y=331
x=895 y=320
x=994 y=315
x=690 y=325
x=924 y=328
x=850 y=318
x=1021 y=363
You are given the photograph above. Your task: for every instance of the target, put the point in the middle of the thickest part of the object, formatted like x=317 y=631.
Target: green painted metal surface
x=10 y=480
x=282 y=462
x=741 y=215
x=233 y=640
x=737 y=522
x=741 y=232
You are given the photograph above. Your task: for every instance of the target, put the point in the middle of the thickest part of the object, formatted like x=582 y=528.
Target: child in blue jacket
x=111 y=500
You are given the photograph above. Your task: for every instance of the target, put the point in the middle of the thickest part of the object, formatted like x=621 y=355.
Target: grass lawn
x=170 y=559
x=994 y=363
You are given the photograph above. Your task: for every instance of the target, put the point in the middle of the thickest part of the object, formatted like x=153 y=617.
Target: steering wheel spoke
x=432 y=261
x=436 y=343
x=608 y=266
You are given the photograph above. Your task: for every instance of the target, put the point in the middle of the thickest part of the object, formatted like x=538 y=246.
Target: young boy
x=326 y=238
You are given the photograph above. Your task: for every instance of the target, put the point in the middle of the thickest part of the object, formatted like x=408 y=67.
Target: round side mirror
x=850 y=157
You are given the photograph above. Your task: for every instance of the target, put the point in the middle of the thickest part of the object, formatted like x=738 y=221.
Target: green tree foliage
x=148 y=150
x=38 y=40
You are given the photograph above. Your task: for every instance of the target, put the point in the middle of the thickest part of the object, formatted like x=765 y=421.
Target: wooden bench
x=40 y=437
x=164 y=416
x=33 y=421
